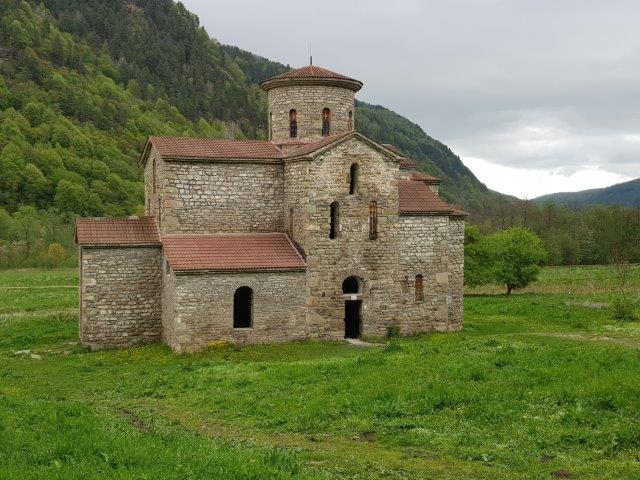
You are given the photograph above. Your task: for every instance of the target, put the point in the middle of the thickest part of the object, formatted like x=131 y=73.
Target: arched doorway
x=351 y=288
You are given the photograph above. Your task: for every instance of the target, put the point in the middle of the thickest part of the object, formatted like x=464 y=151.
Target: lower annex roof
x=232 y=252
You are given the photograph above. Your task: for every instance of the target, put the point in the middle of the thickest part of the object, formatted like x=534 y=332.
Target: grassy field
x=539 y=384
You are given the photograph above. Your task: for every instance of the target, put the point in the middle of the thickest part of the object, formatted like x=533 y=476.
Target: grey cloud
x=538 y=84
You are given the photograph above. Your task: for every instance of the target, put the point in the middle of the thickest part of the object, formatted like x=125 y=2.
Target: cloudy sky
x=536 y=96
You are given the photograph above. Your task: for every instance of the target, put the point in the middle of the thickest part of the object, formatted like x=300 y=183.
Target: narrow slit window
x=293 y=123
x=353 y=179
x=153 y=176
x=350 y=124
x=335 y=220
x=242 y=306
x=419 y=288
x=291 y=222
x=270 y=126
x=373 y=220
x=326 y=122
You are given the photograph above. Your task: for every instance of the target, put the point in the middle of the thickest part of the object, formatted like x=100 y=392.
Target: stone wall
x=309 y=101
x=120 y=296
x=199 y=308
x=296 y=201
x=218 y=197
x=428 y=251
x=406 y=246
x=352 y=253
x=456 y=272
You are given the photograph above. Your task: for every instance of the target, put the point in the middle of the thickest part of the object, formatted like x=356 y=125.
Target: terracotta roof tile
x=417 y=198
x=231 y=252
x=316 y=145
x=408 y=164
x=423 y=177
x=310 y=71
x=394 y=149
x=182 y=147
x=117 y=231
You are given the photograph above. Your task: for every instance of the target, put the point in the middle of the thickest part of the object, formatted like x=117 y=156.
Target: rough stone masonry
x=317 y=232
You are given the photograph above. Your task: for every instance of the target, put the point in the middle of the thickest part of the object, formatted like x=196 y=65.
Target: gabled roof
x=423 y=177
x=394 y=149
x=116 y=231
x=310 y=75
x=172 y=148
x=416 y=198
x=231 y=252
x=212 y=148
x=317 y=147
x=408 y=164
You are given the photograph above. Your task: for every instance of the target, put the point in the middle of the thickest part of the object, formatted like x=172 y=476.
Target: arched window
x=242 y=306
x=335 y=220
x=326 y=122
x=351 y=285
x=293 y=123
x=373 y=220
x=353 y=178
x=419 y=288
x=270 y=126
x=350 y=124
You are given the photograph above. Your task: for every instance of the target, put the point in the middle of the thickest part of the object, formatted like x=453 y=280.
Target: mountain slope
x=625 y=194
x=161 y=47
x=70 y=135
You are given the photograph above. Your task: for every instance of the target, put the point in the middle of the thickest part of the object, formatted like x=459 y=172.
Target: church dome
x=311 y=75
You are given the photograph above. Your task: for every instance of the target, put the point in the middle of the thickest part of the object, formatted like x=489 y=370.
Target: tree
x=26 y=228
x=476 y=258
x=515 y=254
x=54 y=256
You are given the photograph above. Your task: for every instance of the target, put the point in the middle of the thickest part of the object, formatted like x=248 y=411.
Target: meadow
x=543 y=383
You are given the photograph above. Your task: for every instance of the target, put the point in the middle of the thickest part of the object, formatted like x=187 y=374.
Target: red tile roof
x=205 y=148
x=394 y=149
x=231 y=252
x=408 y=164
x=416 y=198
x=311 y=75
x=316 y=145
x=423 y=177
x=310 y=71
x=116 y=231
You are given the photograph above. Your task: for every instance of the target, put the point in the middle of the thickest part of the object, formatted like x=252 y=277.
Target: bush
x=393 y=331
x=625 y=309
x=54 y=256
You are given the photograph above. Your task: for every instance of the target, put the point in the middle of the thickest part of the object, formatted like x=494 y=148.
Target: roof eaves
x=145 y=152
x=204 y=271
x=175 y=158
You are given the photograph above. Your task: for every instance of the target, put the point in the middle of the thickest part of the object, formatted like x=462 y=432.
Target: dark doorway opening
x=242 y=301
x=352 y=318
x=352 y=308
x=350 y=285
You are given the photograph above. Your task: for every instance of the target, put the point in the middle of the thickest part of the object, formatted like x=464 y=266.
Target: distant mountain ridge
x=626 y=194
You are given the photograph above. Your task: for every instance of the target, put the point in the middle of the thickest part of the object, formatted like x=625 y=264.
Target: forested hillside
x=70 y=134
x=83 y=83
x=624 y=194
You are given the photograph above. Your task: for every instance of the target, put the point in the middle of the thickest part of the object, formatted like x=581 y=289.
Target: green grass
x=536 y=383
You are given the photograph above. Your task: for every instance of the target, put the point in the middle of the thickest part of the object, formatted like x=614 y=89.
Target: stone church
x=317 y=232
